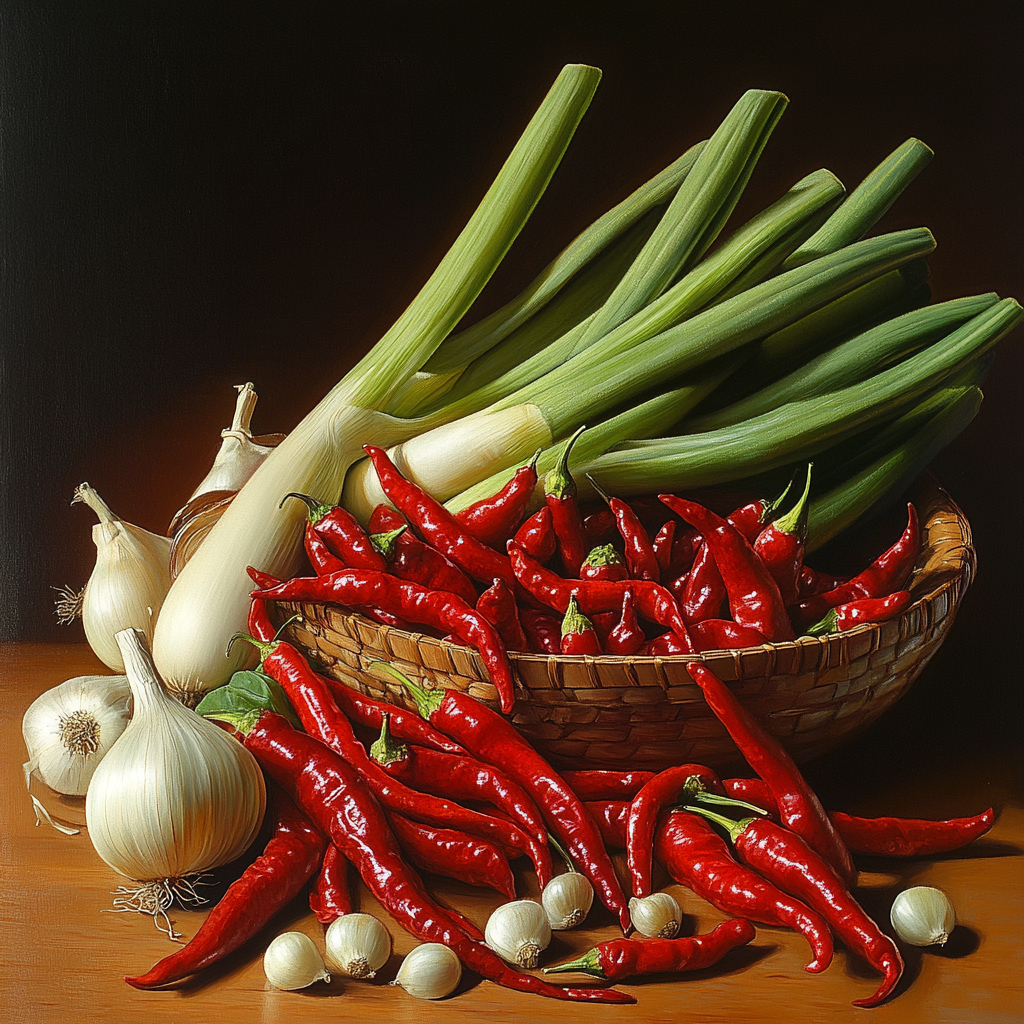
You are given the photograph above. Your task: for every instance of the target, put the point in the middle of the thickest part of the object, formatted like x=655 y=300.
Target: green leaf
x=246 y=695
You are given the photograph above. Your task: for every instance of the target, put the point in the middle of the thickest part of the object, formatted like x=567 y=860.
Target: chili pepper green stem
x=317 y=509
x=586 y=964
x=559 y=481
x=562 y=852
x=427 y=701
x=384 y=543
x=385 y=749
x=827 y=625
x=734 y=828
x=694 y=789
x=795 y=520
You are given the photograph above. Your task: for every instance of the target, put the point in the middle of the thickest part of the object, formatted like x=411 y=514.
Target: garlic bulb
x=567 y=900
x=68 y=729
x=357 y=945
x=519 y=932
x=923 y=916
x=292 y=961
x=430 y=971
x=175 y=795
x=128 y=583
x=657 y=916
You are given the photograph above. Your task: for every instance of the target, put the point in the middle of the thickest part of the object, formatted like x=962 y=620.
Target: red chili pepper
x=811 y=582
x=493 y=519
x=859 y=613
x=627 y=637
x=437 y=525
x=599 y=527
x=338 y=801
x=784 y=858
x=704 y=595
x=453 y=854
x=611 y=817
x=685 y=545
x=662 y=545
x=259 y=622
x=560 y=497
x=641 y=559
x=362 y=588
x=910 y=837
x=607 y=785
x=754 y=598
x=673 y=786
x=543 y=631
x=271 y=882
x=668 y=644
x=497 y=605
x=330 y=897
x=627 y=958
x=780 y=545
x=489 y=737
x=578 y=633
x=723 y=635
x=342 y=533
x=886 y=574
x=603 y=563
x=321 y=557
x=696 y=856
x=799 y=807
x=537 y=535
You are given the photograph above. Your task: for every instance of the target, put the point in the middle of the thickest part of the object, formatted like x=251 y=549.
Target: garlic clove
x=923 y=916
x=519 y=932
x=292 y=961
x=656 y=916
x=430 y=971
x=358 y=945
x=567 y=900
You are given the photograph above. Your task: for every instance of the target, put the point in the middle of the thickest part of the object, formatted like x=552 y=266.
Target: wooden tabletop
x=64 y=956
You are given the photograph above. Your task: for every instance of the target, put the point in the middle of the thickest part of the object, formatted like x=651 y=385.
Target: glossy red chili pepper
x=497 y=605
x=696 y=856
x=490 y=738
x=704 y=594
x=607 y=785
x=811 y=582
x=662 y=545
x=437 y=525
x=785 y=859
x=560 y=497
x=599 y=527
x=453 y=854
x=578 y=633
x=270 y=883
x=330 y=897
x=668 y=644
x=259 y=622
x=723 y=635
x=651 y=600
x=342 y=533
x=641 y=560
x=754 y=598
x=603 y=563
x=799 y=807
x=886 y=574
x=859 y=613
x=910 y=837
x=780 y=545
x=611 y=817
x=627 y=637
x=627 y=958
x=685 y=545
x=340 y=804
x=543 y=631
x=492 y=520
x=363 y=588
x=537 y=535
x=673 y=786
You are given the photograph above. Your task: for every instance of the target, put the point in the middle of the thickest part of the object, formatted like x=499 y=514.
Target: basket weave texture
x=644 y=712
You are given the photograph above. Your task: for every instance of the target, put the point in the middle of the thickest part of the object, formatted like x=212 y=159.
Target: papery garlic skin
x=175 y=795
x=357 y=945
x=657 y=916
x=567 y=900
x=923 y=916
x=128 y=584
x=430 y=971
x=69 y=729
x=292 y=961
x=519 y=932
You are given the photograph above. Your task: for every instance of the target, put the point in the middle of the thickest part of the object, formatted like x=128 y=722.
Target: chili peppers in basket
x=493 y=520
x=603 y=563
x=858 y=613
x=641 y=559
x=780 y=545
x=497 y=605
x=626 y=636
x=537 y=535
x=578 y=633
x=560 y=498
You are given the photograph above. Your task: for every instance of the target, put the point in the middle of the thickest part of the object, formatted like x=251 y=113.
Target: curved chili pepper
x=537 y=535
x=627 y=958
x=810 y=582
x=497 y=605
x=342 y=533
x=607 y=785
x=453 y=854
x=859 y=613
x=668 y=644
x=543 y=631
x=259 y=623
x=723 y=635
x=611 y=817
x=437 y=525
x=492 y=739
x=704 y=595
x=784 y=858
x=560 y=497
x=910 y=837
x=885 y=575
x=627 y=637
x=799 y=807
x=363 y=588
x=780 y=545
x=493 y=519
x=603 y=563
x=696 y=856
x=271 y=882
x=330 y=897
x=340 y=804
x=578 y=633
x=641 y=559
x=662 y=545
x=672 y=786
x=685 y=545
x=754 y=598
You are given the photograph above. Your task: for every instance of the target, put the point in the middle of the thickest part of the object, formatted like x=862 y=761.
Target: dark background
x=199 y=195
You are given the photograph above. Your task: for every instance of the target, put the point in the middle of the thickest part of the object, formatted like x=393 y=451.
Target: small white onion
x=567 y=900
x=357 y=945
x=519 y=932
x=430 y=971
x=292 y=961
x=923 y=916
x=656 y=916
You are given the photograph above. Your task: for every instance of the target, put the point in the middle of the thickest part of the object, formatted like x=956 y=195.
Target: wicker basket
x=644 y=712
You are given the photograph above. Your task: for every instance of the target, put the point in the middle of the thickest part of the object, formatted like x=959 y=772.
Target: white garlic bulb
x=68 y=729
x=357 y=945
x=519 y=932
x=923 y=916
x=430 y=971
x=128 y=583
x=567 y=900
x=292 y=961
x=657 y=916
